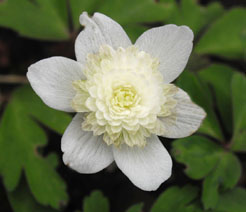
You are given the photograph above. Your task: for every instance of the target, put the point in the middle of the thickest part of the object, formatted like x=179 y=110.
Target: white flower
x=122 y=97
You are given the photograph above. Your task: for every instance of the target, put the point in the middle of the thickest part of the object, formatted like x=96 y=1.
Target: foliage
x=200 y=16
x=135 y=208
x=96 y=202
x=20 y=140
x=214 y=158
x=215 y=40
x=239 y=112
x=214 y=162
x=176 y=199
x=32 y=18
x=22 y=200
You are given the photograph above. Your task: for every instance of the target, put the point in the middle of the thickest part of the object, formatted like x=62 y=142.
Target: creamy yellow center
x=125 y=97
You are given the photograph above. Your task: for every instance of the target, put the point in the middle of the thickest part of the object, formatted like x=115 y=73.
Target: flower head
x=123 y=98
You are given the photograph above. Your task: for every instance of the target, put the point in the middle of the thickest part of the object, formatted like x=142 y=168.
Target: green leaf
x=194 y=208
x=226 y=173
x=20 y=140
x=233 y=201
x=96 y=202
x=175 y=199
x=22 y=200
x=200 y=94
x=136 y=11
x=198 y=18
x=40 y=19
x=239 y=112
x=199 y=154
x=219 y=77
x=205 y=159
x=136 y=208
x=226 y=37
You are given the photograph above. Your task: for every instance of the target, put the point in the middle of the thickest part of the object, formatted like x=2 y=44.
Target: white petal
x=186 y=119
x=52 y=80
x=84 y=152
x=171 y=44
x=99 y=30
x=147 y=167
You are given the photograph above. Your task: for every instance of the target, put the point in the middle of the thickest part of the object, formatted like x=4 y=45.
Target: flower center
x=125 y=97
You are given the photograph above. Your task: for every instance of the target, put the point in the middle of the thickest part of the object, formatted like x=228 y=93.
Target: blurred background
x=209 y=167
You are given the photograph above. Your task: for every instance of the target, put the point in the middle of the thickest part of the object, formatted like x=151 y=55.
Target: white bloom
x=122 y=97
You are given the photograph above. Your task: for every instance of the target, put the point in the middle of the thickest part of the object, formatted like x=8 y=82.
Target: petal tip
x=189 y=31
x=83 y=18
